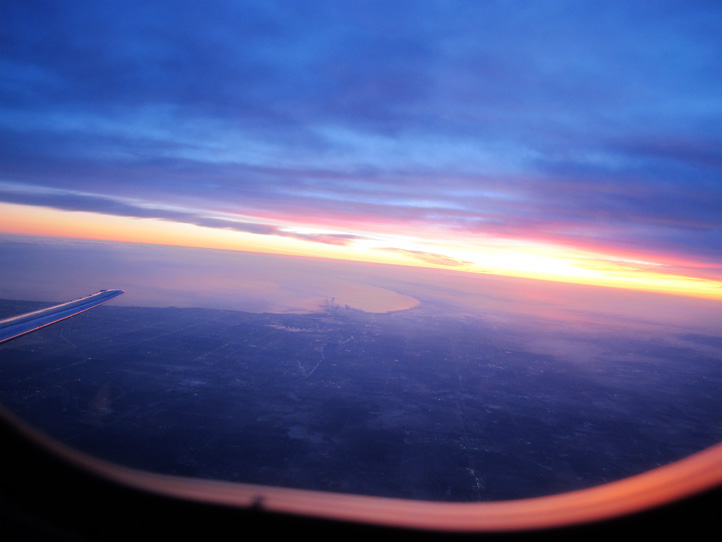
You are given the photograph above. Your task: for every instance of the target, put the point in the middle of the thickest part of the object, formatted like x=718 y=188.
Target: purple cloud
x=476 y=118
x=106 y=205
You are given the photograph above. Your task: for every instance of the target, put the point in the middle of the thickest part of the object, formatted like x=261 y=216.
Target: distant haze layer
x=162 y=276
x=56 y=269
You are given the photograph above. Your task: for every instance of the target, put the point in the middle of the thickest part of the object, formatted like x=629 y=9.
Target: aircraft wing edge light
x=16 y=326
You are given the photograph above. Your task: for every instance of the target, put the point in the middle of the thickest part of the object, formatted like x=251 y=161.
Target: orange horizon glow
x=514 y=258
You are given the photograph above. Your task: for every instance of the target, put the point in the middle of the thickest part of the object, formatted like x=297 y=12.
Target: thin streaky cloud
x=430 y=257
x=109 y=206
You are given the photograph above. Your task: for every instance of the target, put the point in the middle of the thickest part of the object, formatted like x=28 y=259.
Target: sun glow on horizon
x=518 y=258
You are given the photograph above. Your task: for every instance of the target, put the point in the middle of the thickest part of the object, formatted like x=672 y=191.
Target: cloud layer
x=563 y=122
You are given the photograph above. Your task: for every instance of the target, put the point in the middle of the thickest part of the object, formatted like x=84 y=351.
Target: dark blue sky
x=585 y=124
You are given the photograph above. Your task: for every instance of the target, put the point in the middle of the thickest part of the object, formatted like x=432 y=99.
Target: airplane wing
x=25 y=323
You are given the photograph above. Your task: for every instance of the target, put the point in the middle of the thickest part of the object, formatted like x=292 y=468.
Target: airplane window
x=441 y=251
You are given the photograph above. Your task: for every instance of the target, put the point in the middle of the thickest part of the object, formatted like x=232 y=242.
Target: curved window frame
x=694 y=475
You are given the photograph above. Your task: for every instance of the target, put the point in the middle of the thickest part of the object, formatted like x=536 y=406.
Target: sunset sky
x=573 y=141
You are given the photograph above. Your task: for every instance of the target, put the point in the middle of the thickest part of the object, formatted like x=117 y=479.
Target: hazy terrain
x=372 y=379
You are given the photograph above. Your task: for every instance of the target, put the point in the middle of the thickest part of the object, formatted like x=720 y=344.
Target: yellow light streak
x=517 y=258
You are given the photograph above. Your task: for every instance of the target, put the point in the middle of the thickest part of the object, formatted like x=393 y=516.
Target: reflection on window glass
x=442 y=251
